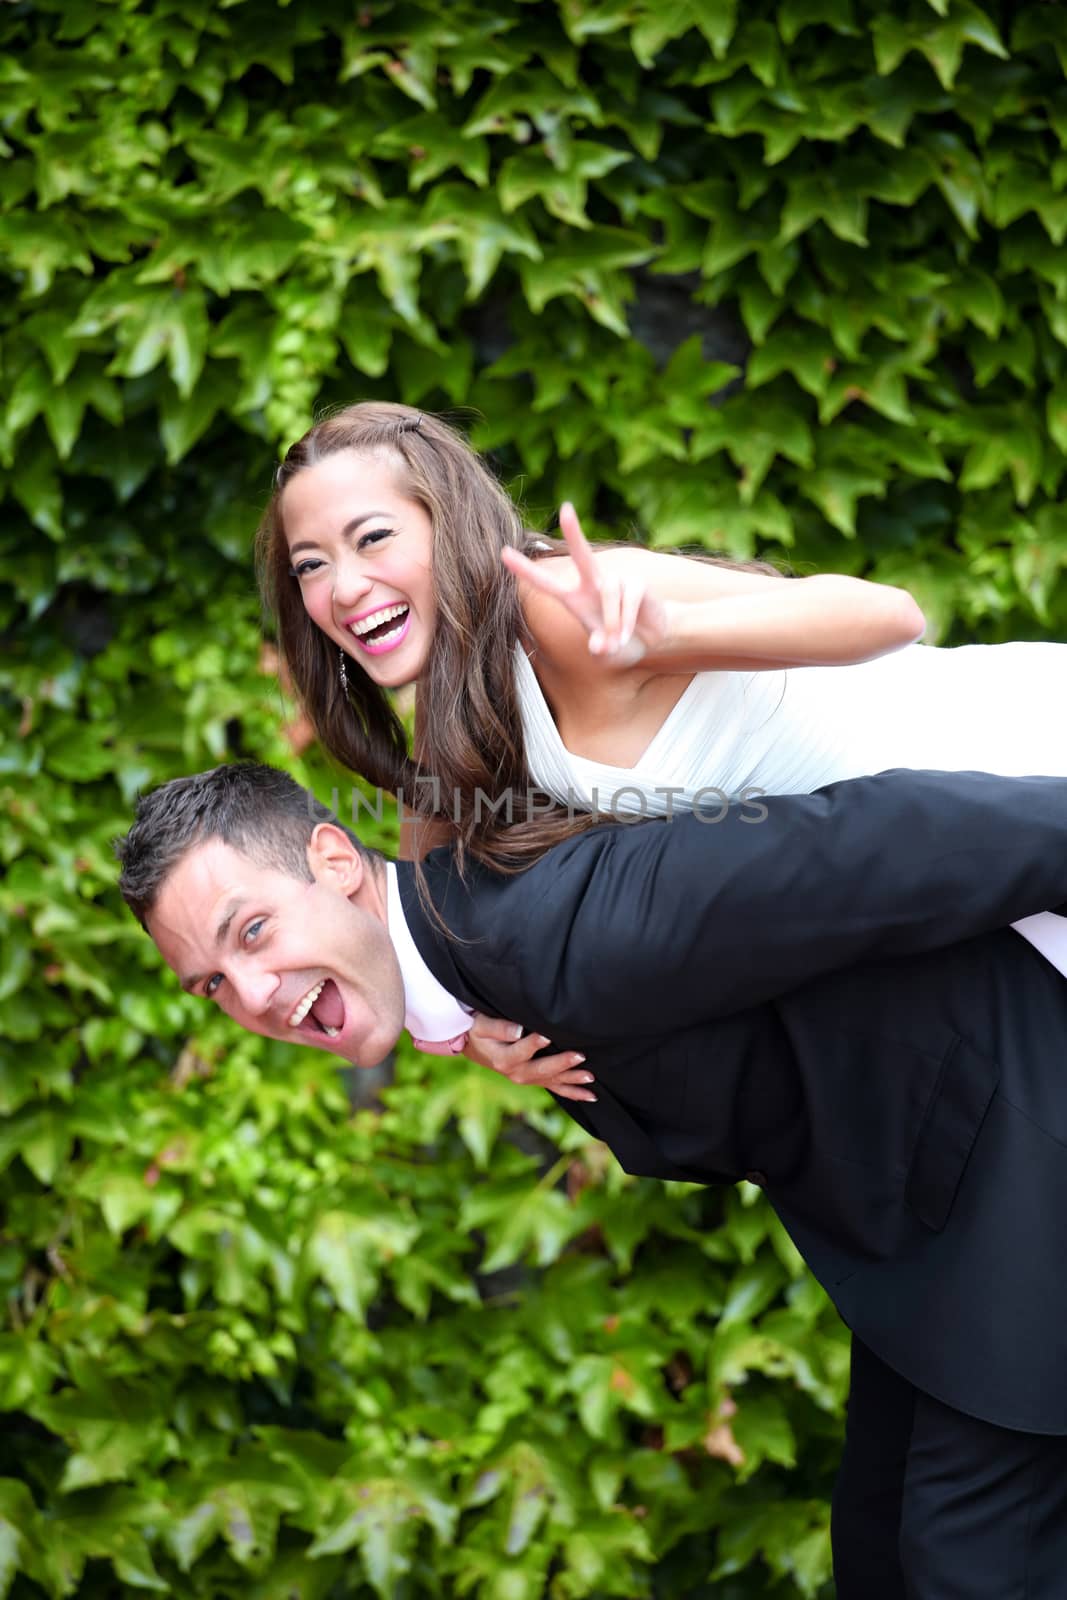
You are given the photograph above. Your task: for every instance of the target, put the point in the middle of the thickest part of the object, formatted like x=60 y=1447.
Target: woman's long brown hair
x=468 y=727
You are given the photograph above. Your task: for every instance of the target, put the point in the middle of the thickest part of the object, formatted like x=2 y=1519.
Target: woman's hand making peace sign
x=623 y=619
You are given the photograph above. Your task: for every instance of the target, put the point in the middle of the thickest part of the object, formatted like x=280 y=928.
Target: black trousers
x=934 y=1505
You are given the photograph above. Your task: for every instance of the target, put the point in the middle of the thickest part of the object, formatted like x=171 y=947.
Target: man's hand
x=504 y=1048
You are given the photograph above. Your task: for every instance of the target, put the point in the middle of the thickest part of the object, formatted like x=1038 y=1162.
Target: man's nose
x=254 y=990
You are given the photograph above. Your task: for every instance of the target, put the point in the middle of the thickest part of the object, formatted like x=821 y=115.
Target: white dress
x=980 y=708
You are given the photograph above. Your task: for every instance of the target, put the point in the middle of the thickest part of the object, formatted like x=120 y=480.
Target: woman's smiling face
x=360 y=551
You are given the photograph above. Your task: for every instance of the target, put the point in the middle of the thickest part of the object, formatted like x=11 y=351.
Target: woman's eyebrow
x=349 y=527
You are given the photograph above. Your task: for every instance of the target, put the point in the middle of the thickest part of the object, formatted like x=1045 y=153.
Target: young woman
x=617 y=678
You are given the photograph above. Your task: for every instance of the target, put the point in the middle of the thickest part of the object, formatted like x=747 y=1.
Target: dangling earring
x=344 y=672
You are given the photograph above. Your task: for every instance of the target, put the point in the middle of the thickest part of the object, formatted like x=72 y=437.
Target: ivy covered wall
x=788 y=277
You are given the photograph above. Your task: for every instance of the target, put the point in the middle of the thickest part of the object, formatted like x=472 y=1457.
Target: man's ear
x=335 y=860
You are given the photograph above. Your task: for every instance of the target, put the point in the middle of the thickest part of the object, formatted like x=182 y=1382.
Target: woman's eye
x=375 y=536
x=303 y=568
x=212 y=984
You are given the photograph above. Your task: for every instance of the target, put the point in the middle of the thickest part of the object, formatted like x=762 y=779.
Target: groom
x=787 y=1001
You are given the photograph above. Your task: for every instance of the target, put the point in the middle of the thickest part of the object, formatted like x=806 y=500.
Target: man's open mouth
x=320 y=1011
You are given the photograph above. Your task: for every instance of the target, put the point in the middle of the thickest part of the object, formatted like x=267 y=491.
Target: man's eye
x=252 y=931
x=212 y=984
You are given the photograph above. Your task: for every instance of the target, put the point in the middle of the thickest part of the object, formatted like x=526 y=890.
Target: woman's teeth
x=301 y=1011
x=387 y=638
x=375 y=633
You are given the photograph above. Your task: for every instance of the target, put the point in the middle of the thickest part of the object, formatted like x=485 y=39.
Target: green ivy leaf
x=35 y=483
x=796 y=15
x=804 y=352
x=18 y=1516
x=751 y=1290
x=564 y=193
x=1056 y=415
x=763 y=1433
x=836 y=491
x=42 y=245
x=482 y=233
x=171 y=325
x=818 y=197
x=941 y=44
x=1016 y=451
x=347 y=1249
x=183 y=421
x=975 y=295
x=587 y=270
x=431 y=144
x=716 y=20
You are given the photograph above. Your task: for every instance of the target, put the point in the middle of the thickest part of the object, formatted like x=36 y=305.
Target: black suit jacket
x=790 y=1000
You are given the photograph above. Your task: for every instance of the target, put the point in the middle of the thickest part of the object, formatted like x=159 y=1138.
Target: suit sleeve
x=669 y=924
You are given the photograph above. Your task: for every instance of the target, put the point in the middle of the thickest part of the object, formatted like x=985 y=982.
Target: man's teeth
x=306 y=1004
x=386 y=614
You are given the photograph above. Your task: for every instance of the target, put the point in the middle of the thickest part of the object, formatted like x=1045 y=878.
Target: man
x=907 y=1116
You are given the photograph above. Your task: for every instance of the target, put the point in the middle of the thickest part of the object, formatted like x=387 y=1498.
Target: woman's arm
x=671 y=614
x=826 y=620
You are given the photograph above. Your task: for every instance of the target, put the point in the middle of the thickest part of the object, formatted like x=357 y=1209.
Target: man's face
x=310 y=963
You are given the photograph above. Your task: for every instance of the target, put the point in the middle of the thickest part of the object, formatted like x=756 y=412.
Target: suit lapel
x=433 y=947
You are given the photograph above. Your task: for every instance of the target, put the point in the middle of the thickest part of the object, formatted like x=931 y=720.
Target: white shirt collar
x=431 y=1015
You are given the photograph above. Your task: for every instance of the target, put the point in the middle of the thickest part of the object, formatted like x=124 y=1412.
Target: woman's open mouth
x=321 y=1011
x=383 y=630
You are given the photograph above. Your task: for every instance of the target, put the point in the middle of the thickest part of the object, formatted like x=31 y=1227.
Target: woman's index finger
x=534 y=572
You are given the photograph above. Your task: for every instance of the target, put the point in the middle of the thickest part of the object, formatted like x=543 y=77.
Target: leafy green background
x=788 y=277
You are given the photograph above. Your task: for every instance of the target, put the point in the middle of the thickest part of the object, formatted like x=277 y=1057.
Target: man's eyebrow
x=221 y=931
x=349 y=527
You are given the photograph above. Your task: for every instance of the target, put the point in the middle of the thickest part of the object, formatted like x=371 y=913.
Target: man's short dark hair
x=255 y=809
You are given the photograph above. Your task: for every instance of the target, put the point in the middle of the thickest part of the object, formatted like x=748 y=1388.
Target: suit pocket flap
x=960 y=1099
